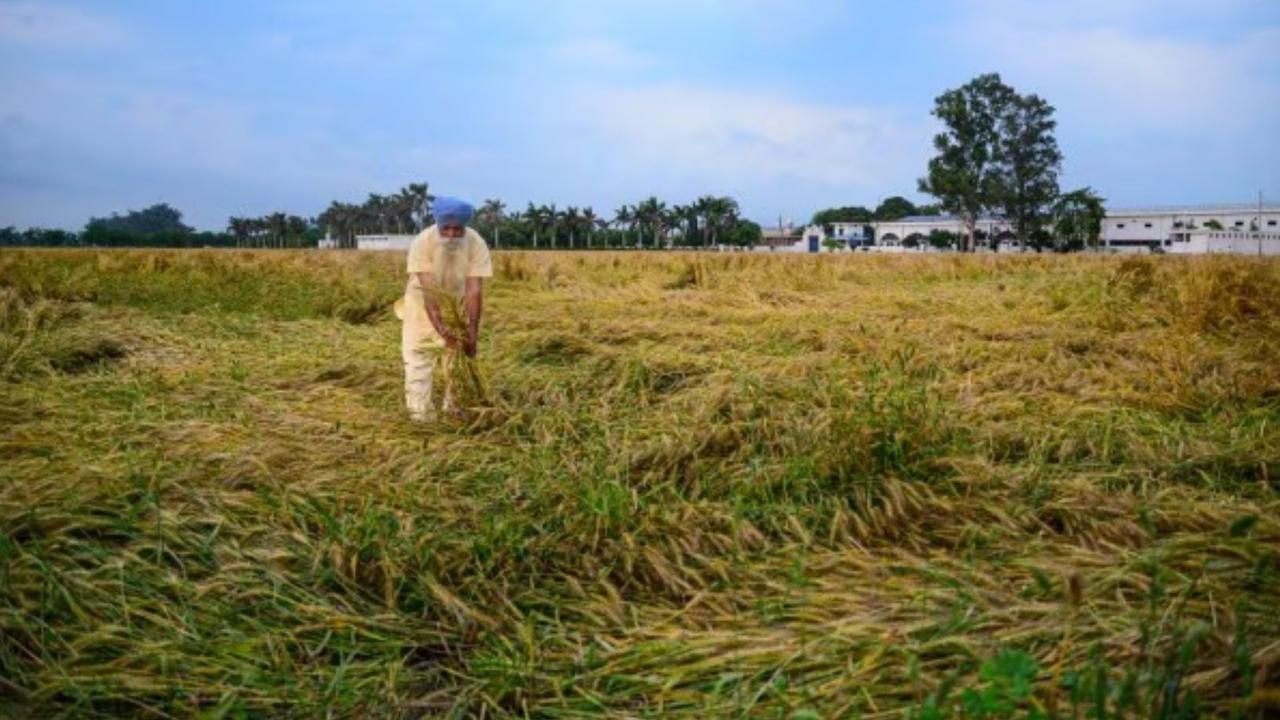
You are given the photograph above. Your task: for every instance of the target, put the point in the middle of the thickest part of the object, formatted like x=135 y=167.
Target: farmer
x=447 y=264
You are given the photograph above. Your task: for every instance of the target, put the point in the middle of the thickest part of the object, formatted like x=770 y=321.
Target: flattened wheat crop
x=705 y=486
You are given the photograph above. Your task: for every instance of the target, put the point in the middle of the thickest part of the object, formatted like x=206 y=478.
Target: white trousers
x=422 y=349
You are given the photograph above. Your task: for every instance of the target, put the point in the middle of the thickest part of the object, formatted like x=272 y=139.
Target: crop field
x=702 y=486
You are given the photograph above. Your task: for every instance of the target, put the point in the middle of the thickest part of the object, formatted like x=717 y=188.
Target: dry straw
x=719 y=485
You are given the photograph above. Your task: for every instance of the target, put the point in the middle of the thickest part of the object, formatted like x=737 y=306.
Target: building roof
x=1218 y=208
x=927 y=219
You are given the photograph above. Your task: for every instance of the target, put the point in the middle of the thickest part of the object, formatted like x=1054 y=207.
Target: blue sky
x=240 y=108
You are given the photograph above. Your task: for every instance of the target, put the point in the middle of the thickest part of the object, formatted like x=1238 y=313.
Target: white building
x=1188 y=229
x=384 y=242
x=1201 y=242
x=914 y=230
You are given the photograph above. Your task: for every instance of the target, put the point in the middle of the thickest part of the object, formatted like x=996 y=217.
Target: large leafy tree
x=847 y=214
x=1029 y=160
x=160 y=218
x=894 y=208
x=997 y=153
x=1077 y=219
x=744 y=233
x=966 y=175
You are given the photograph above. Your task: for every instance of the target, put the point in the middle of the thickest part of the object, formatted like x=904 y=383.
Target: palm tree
x=722 y=215
x=685 y=219
x=589 y=219
x=533 y=214
x=571 y=219
x=276 y=226
x=342 y=220
x=239 y=227
x=651 y=213
x=552 y=216
x=542 y=217
x=419 y=204
x=492 y=212
x=257 y=230
x=401 y=209
x=296 y=229
x=623 y=218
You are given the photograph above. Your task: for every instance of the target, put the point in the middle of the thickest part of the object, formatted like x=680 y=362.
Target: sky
x=789 y=106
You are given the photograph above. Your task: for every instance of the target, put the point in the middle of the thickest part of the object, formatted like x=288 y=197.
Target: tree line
x=708 y=221
x=650 y=223
x=159 y=225
x=997 y=156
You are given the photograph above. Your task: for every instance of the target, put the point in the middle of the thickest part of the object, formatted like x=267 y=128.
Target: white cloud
x=600 y=53
x=57 y=26
x=1121 y=80
x=168 y=142
x=763 y=146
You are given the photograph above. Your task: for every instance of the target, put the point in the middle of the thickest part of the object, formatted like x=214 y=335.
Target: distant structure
x=913 y=231
x=1242 y=229
x=780 y=238
x=814 y=238
x=384 y=242
x=1194 y=229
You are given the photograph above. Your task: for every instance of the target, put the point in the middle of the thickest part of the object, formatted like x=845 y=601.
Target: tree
x=37 y=237
x=572 y=221
x=551 y=217
x=652 y=214
x=159 y=218
x=625 y=217
x=342 y=220
x=1213 y=224
x=1029 y=159
x=239 y=229
x=966 y=174
x=894 y=208
x=942 y=239
x=744 y=233
x=720 y=215
x=492 y=214
x=419 y=204
x=156 y=226
x=685 y=219
x=848 y=214
x=533 y=215
x=1077 y=220
x=590 y=221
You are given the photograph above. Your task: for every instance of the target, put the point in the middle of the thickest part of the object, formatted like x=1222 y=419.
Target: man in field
x=443 y=301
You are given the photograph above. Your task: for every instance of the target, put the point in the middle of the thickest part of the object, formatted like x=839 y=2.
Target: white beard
x=450 y=266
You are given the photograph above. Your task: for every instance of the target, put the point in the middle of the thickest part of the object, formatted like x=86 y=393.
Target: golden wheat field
x=703 y=486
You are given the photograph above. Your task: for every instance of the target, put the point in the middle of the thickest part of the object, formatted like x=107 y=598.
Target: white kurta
x=450 y=263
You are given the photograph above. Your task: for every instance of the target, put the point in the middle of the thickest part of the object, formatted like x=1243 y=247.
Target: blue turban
x=452 y=210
